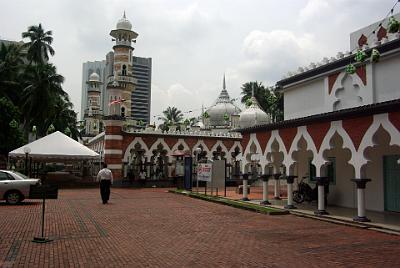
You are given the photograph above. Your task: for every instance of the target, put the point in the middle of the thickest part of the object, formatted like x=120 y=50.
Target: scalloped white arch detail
x=132 y=146
x=155 y=144
x=179 y=142
x=205 y=148
x=336 y=126
x=331 y=98
x=301 y=132
x=367 y=141
x=252 y=140
x=223 y=147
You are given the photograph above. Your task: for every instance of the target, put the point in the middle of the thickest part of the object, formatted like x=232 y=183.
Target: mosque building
x=341 y=127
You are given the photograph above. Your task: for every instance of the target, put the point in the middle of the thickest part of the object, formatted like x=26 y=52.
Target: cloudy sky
x=193 y=43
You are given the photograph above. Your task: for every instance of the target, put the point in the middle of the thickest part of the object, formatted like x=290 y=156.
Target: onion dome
x=94 y=77
x=223 y=108
x=253 y=115
x=124 y=24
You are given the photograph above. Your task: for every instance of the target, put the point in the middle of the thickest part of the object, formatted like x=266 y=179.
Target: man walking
x=106 y=179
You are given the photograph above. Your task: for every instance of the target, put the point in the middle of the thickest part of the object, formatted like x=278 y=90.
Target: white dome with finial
x=94 y=77
x=253 y=115
x=124 y=24
x=223 y=107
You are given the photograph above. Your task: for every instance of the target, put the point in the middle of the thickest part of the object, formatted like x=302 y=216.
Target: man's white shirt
x=105 y=174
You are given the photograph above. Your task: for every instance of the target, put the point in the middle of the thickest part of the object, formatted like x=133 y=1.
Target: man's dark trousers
x=105 y=190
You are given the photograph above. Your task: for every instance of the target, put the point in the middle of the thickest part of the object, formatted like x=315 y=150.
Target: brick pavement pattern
x=152 y=228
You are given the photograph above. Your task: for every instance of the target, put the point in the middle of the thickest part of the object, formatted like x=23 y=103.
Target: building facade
x=341 y=127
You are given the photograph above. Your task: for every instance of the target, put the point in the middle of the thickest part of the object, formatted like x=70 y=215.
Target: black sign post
x=43 y=192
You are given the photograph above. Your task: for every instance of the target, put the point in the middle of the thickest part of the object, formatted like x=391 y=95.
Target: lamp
x=27 y=151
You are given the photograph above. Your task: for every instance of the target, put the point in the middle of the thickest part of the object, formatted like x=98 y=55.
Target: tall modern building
x=141 y=96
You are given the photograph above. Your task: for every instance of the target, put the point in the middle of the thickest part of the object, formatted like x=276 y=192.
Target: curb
x=236 y=204
x=360 y=225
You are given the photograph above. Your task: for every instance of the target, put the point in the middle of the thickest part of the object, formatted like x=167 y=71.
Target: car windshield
x=21 y=175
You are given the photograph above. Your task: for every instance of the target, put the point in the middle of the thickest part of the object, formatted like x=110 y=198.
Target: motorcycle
x=304 y=192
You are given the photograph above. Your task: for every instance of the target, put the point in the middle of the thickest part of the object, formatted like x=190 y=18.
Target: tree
x=10 y=134
x=63 y=117
x=171 y=116
x=11 y=68
x=269 y=99
x=39 y=46
x=41 y=89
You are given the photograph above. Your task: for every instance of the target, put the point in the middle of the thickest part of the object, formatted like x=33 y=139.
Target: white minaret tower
x=93 y=113
x=121 y=84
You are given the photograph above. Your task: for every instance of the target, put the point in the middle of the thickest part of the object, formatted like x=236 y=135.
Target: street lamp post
x=27 y=151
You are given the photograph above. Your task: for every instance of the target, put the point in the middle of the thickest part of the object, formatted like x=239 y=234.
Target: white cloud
x=313 y=10
x=270 y=55
x=176 y=95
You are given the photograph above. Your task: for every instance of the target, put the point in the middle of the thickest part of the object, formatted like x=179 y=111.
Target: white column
x=321 y=198
x=361 y=213
x=290 y=194
x=265 y=190
x=361 y=202
x=245 y=198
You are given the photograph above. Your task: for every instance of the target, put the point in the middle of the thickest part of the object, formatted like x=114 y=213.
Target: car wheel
x=13 y=197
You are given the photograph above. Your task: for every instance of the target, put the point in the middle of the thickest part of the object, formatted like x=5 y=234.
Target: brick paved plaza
x=152 y=228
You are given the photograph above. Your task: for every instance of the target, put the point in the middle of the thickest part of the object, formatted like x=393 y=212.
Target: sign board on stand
x=204 y=172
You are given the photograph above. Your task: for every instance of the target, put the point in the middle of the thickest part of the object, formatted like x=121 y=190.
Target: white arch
x=154 y=147
x=205 y=148
x=336 y=126
x=223 y=147
x=301 y=132
x=367 y=141
x=179 y=142
x=132 y=146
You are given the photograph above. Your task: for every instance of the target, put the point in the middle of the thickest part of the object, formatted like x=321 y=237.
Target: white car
x=14 y=186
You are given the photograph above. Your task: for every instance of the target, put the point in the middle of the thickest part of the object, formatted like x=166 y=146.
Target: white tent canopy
x=55 y=146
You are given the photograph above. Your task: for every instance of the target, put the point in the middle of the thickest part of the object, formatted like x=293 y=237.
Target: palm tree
x=39 y=46
x=171 y=116
x=11 y=67
x=42 y=88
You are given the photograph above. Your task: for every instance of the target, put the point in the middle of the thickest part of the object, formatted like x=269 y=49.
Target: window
x=123 y=111
x=5 y=177
x=124 y=69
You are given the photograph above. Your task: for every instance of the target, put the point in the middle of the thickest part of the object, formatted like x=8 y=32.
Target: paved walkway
x=152 y=228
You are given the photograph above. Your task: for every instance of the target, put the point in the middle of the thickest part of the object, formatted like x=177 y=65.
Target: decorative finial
x=124 y=15
x=223 y=83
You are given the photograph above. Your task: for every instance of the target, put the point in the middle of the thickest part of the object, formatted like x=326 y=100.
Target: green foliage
x=34 y=87
x=172 y=115
x=226 y=117
x=350 y=69
x=270 y=100
x=10 y=134
x=249 y=102
x=360 y=56
x=206 y=115
x=393 y=25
